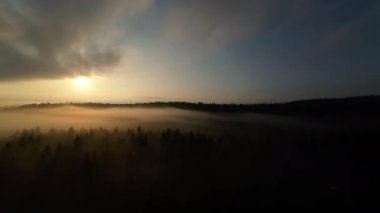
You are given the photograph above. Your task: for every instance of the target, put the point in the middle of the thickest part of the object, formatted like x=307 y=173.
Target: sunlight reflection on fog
x=152 y=118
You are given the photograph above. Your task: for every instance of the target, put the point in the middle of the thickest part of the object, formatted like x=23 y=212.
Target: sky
x=223 y=51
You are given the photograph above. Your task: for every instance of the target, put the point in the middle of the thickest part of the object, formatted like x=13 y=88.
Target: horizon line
x=178 y=102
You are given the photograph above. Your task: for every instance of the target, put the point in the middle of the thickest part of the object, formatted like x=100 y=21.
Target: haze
x=63 y=118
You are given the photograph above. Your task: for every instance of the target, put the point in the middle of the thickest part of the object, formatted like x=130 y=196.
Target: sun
x=82 y=82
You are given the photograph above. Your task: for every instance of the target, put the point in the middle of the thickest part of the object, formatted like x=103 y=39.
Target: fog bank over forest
x=64 y=117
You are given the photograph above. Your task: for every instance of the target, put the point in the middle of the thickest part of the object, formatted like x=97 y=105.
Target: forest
x=138 y=168
x=132 y=105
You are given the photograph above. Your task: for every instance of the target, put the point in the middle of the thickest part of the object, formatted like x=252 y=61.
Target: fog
x=153 y=118
x=77 y=117
x=241 y=156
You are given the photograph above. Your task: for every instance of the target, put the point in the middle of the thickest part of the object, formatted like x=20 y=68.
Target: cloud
x=55 y=38
x=359 y=32
x=220 y=22
x=214 y=21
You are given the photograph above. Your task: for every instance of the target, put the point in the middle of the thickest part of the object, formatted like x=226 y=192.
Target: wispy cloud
x=215 y=22
x=221 y=22
x=355 y=33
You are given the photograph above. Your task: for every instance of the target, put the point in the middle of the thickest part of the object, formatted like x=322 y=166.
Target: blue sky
x=213 y=51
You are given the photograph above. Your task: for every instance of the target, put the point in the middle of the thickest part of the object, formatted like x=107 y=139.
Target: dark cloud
x=55 y=38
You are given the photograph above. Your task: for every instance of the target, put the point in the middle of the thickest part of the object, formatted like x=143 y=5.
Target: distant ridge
x=363 y=105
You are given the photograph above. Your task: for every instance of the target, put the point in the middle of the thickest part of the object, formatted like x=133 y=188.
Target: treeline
x=200 y=106
x=355 y=106
x=101 y=169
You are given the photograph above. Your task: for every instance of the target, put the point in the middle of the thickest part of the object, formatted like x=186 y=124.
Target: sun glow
x=82 y=82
